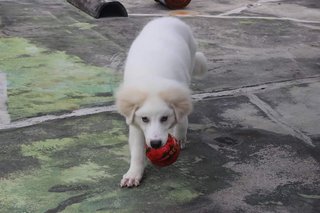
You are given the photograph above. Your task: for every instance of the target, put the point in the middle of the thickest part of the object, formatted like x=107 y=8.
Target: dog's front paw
x=131 y=179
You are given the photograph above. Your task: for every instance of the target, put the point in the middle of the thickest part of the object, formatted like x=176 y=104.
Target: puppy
x=154 y=97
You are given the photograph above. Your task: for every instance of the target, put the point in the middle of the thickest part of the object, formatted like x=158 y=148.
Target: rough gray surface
x=253 y=137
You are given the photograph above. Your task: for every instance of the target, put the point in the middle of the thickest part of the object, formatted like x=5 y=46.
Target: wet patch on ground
x=265 y=164
x=296 y=196
x=263 y=161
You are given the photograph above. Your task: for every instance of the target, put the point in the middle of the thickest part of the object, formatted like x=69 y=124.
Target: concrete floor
x=254 y=135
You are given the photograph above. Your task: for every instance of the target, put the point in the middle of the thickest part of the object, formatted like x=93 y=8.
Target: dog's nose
x=155 y=144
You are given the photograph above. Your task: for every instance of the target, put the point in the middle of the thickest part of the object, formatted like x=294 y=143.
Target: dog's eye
x=145 y=119
x=163 y=118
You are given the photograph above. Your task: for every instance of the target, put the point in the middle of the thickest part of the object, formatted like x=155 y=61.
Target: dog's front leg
x=137 y=162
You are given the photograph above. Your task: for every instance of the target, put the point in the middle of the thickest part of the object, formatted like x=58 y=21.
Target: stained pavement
x=253 y=136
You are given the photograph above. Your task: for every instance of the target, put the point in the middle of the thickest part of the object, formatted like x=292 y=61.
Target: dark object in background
x=100 y=8
x=174 y=4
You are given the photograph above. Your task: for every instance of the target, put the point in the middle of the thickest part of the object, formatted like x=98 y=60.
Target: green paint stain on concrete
x=183 y=195
x=309 y=196
x=83 y=25
x=180 y=193
x=41 y=81
x=28 y=192
x=84 y=160
x=42 y=149
x=247 y=22
x=88 y=172
x=86 y=167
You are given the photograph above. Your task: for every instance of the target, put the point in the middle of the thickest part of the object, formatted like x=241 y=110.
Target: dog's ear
x=179 y=99
x=128 y=100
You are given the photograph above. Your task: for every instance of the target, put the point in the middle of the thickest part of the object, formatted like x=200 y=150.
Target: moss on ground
x=81 y=173
x=41 y=81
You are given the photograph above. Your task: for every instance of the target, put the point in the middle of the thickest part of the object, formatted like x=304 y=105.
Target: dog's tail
x=200 y=66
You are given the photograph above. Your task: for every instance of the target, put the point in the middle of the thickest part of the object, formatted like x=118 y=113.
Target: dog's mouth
x=154 y=144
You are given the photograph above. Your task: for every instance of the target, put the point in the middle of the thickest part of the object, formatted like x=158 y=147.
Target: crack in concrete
x=4 y=115
x=196 y=97
x=240 y=9
x=42 y=119
x=255 y=88
x=278 y=119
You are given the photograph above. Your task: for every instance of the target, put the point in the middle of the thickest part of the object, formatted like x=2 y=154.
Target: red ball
x=165 y=155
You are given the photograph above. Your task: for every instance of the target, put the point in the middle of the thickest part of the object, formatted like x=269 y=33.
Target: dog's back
x=165 y=48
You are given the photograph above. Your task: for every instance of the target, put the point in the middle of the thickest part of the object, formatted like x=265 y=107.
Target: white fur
x=155 y=88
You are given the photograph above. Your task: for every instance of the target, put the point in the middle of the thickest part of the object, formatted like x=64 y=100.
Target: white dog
x=155 y=97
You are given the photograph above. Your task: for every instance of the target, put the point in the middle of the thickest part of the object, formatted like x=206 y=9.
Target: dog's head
x=154 y=113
